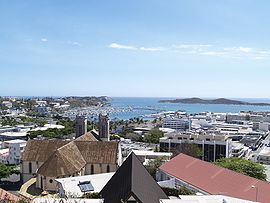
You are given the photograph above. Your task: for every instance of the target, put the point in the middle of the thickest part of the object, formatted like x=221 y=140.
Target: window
x=108 y=168
x=30 y=167
x=92 y=169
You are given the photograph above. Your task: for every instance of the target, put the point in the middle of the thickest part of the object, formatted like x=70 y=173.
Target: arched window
x=108 y=168
x=92 y=169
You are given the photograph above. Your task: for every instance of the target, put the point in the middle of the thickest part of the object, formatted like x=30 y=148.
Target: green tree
x=188 y=149
x=153 y=136
x=153 y=165
x=7 y=170
x=92 y=195
x=185 y=191
x=176 y=192
x=246 y=167
x=133 y=137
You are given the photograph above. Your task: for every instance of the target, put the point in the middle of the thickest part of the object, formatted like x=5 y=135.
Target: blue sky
x=152 y=48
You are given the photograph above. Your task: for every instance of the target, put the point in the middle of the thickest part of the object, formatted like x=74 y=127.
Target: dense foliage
x=7 y=170
x=153 y=136
x=153 y=165
x=176 y=192
x=54 y=132
x=92 y=195
x=188 y=149
x=243 y=166
x=22 y=120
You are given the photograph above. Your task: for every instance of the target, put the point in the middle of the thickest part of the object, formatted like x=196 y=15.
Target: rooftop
x=15 y=141
x=5 y=195
x=98 y=181
x=62 y=200
x=205 y=199
x=151 y=153
x=213 y=179
x=132 y=180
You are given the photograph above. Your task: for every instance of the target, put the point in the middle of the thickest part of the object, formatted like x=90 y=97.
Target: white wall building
x=4 y=156
x=177 y=123
x=12 y=151
x=213 y=146
x=70 y=187
x=16 y=147
x=264 y=156
x=147 y=155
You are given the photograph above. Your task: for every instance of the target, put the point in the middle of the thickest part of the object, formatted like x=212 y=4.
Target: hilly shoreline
x=196 y=100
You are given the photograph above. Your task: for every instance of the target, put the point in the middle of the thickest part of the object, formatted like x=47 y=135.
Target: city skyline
x=135 y=49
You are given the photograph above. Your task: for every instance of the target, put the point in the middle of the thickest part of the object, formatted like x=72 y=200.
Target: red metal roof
x=216 y=180
x=4 y=195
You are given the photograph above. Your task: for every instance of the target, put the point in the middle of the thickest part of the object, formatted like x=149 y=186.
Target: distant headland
x=195 y=100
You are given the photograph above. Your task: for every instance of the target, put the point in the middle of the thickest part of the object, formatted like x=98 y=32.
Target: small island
x=196 y=100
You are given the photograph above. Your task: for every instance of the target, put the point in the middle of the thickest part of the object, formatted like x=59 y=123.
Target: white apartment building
x=177 y=123
x=230 y=117
x=12 y=151
x=213 y=146
x=4 y=156
x=147 y=155
x=263 y=126
x=239 y=150
x=264 y=156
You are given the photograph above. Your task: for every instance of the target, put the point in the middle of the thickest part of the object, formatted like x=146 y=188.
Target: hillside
x=196 y=100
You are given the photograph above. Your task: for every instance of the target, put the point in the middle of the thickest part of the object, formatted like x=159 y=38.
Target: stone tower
x=104 y=127
x=81 y=125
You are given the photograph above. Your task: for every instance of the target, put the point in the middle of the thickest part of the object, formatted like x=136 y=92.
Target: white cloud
x=74 y=43
x=44 y=39
x=259 y=58
x=121 y=46
x=190 y=46
x=152 y=48
x=245 y=49
x=204 y=49
x=212 y=53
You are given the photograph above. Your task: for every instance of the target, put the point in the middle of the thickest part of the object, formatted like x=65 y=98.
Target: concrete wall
x=49 y=183
x=26 y=175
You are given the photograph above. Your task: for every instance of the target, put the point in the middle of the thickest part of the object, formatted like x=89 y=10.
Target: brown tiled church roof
x=67 y=160
x=41 y=150
x=89 y=136
x=98 y=152
x=61 y=157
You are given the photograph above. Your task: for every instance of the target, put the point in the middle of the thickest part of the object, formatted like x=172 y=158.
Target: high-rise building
x=104 y=127
x=81 y=125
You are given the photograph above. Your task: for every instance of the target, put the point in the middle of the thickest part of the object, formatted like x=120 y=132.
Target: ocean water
x=145 y=106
